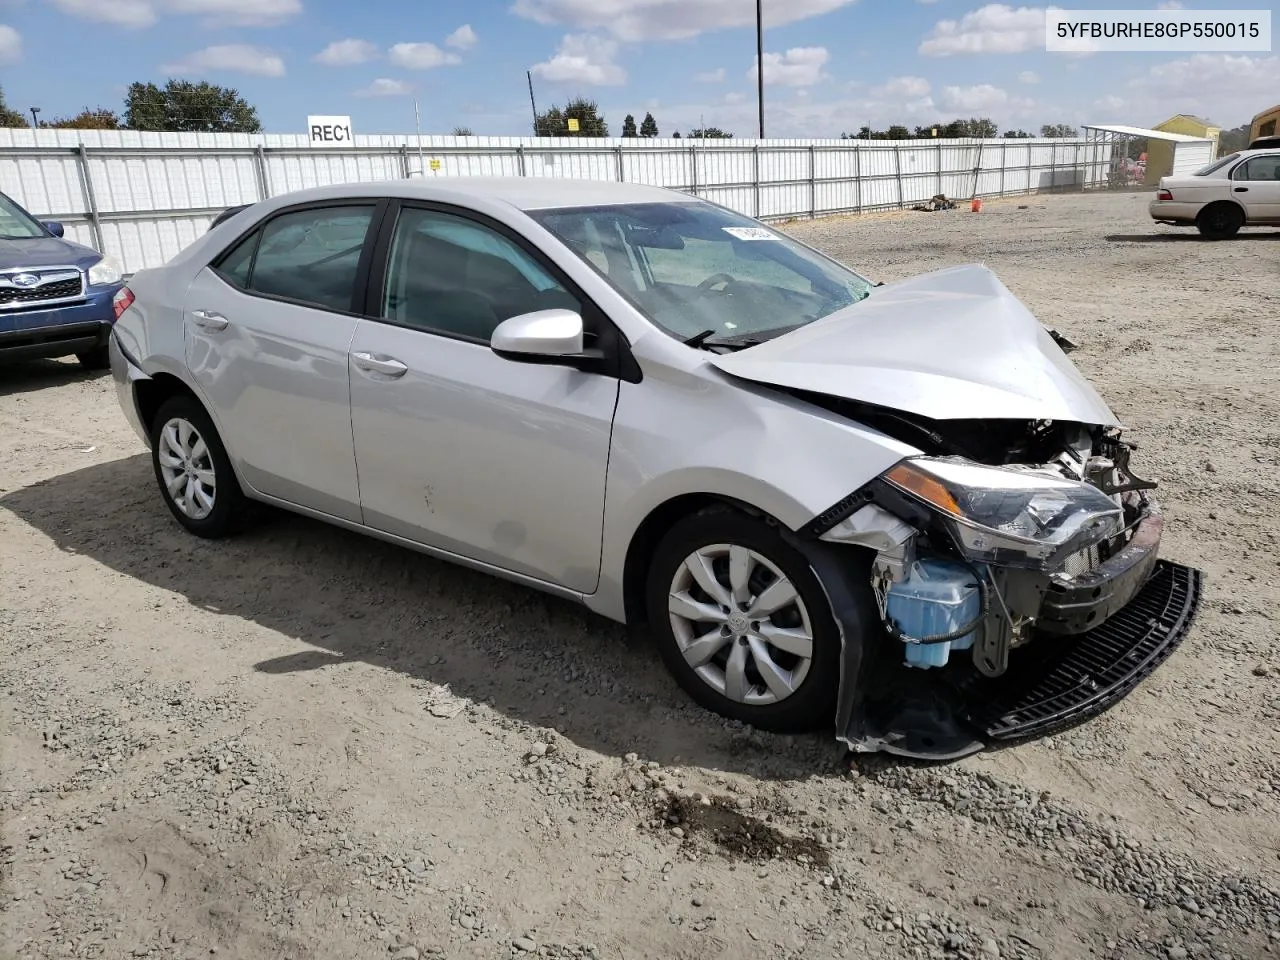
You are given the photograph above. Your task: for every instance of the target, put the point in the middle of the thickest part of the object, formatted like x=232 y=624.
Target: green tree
x=676 y=135
x=897 y=132
x=1016 y=135
x=183 y=106
x=1058 y=130
x=710 y=133
x=100 y=118
x=648 y=126
x=463 y=132
x=629 y=127
x=11 y=118
x=1229 y=141
x=555 y=122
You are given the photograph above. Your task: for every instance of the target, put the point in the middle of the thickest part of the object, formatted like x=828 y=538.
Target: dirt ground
x=302 y=743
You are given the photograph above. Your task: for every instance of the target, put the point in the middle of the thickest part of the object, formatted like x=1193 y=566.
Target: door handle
x=209 y=320
x=1242 y=189
x=387 y=366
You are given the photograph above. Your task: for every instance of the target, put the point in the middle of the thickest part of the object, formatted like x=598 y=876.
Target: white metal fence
x=143 y=196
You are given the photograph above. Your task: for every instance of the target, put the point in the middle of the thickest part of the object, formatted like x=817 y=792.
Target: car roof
x=523 y=193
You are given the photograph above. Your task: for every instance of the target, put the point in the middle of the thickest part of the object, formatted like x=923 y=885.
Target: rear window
x=1217 y=165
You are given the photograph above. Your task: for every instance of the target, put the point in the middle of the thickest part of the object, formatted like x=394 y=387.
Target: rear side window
x=234 y=266
x=1260 y=168
x=309 y=256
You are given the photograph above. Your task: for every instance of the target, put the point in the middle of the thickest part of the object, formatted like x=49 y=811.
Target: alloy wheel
x=186 y=469
x=740 y=623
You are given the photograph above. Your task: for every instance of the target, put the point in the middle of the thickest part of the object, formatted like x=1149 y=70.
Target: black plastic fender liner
x=922 y=723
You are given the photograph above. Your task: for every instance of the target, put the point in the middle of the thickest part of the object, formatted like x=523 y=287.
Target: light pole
x=760 y=62
x=34 y=122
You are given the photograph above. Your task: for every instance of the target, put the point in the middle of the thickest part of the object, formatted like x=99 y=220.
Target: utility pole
x=529 y=76
x=34 y=122
x=760 y=62
x=417 y=122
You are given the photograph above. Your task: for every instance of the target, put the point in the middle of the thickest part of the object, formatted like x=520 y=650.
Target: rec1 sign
x=330 y=130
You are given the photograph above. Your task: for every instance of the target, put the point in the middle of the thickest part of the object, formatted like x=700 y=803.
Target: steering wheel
x=706 y=285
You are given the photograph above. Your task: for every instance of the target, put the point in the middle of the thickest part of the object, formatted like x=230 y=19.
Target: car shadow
x=1190 y=237
x=23 y=376
x=351 y=598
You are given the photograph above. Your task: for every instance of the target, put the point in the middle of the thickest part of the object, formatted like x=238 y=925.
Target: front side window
x=16 y=223
x=1260 y=168
x=309 y=255
x=694 y=268
x=448 y=274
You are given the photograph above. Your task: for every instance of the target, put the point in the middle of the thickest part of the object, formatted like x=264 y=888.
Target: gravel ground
x=304 y=743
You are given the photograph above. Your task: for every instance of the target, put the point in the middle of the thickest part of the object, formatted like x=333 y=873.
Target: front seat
x=433 y=294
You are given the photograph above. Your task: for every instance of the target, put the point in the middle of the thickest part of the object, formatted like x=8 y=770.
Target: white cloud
x=582 y=58
x=1110 y=104
x=1170 y=5
x=995 y=28
x=384 y=87
x=422 y=56
x=464 y=38
x=10 y=45
x=143 y=13
x=798 y=67
x=983 y=98
x=248 y=13
x=125 y=13
x=711 y=76
x=1221 y=87
x=229 y=58
x=668 y=19
x=902 y=88
x=1028 y=76
x=346 y=53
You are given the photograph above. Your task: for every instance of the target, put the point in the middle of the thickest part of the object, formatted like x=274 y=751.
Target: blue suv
x=55 y=296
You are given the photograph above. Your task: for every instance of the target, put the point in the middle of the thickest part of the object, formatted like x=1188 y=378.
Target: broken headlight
x=1010 y=517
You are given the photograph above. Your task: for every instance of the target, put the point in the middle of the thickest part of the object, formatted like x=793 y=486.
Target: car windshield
x=16 y=223
x=698 y=270
x=1216 y=165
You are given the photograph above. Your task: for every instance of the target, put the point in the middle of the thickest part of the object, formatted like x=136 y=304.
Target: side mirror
x=544 y=336
x=54 y=227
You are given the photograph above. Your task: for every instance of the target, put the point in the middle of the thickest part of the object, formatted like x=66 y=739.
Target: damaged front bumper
x=1099 y=632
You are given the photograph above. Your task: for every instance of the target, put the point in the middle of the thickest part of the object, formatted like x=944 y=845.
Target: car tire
x=188 y=457
x=724 y=538
x=99 y=358
x=1219 y=221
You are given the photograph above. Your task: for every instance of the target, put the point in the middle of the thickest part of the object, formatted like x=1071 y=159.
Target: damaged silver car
x=898 y=508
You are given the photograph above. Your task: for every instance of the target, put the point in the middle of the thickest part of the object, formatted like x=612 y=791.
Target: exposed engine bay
x=1003 y=533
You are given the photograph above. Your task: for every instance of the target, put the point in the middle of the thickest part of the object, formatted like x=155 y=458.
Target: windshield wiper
x=698 y=339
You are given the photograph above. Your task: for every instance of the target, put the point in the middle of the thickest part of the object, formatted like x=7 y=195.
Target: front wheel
x=743 y=623
x=99 y=358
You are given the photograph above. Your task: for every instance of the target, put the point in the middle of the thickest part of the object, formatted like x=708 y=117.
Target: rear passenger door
x=268 y=326
x=493 y=460
x=1256 y=184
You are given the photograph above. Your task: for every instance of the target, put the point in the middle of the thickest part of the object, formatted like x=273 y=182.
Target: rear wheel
x=743 y=624
x=99 y=358
x=1219 y=221
x=193 y=470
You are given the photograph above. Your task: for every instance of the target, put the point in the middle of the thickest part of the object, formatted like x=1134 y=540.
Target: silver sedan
x=895 y=508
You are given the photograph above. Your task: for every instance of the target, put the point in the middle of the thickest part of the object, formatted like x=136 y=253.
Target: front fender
x=710 y=435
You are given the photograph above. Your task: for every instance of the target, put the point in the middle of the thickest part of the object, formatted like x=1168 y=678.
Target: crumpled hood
x=948 y=345
x=31 y=252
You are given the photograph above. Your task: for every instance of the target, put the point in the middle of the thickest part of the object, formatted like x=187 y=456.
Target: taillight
x=1164 y=195
x=122 y=301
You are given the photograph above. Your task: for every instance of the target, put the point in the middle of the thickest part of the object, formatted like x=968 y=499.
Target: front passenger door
x=498 y=461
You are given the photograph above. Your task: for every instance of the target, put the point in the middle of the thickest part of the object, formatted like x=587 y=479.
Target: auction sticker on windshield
x=748 y=233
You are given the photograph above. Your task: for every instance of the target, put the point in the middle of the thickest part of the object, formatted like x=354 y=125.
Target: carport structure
x=1108 y=162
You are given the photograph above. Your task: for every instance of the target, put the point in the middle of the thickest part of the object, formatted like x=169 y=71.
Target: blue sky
x=830 y=65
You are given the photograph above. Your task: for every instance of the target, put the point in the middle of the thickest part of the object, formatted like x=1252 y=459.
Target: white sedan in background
x=1240 y=190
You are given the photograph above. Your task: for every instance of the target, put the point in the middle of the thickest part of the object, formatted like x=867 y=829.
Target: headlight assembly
x=1010 y=517
x=105 y=271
